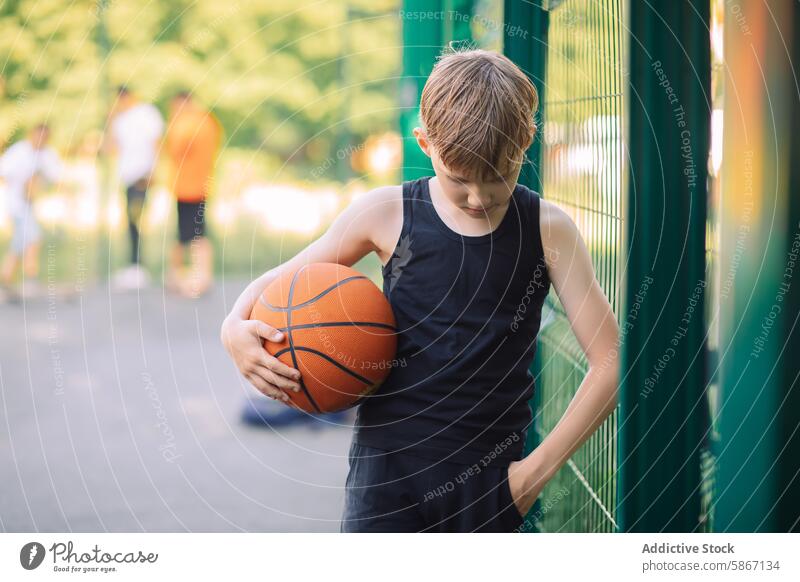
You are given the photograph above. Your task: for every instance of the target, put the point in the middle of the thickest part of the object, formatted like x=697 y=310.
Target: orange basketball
x=338 y=330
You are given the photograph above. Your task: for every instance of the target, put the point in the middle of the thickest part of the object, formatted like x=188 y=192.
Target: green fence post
x=525 y=43
x=758 y=478
x=428 y=25
x=422 y=42
x=456 y=23
x=662 y=424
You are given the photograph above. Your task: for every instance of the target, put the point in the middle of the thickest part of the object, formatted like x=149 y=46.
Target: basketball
x=339 y=332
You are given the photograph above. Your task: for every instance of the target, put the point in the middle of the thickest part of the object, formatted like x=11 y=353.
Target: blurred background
x=304 y=91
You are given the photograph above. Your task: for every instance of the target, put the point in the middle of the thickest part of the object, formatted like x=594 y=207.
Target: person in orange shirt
x=192 y=144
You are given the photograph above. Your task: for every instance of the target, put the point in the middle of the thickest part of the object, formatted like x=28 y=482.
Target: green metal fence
x=664 y=419
x=581 y=169
x=650 y=466
x=573 y=53
x=666 y=238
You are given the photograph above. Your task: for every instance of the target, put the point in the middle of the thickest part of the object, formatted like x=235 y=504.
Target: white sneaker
x=131 y=278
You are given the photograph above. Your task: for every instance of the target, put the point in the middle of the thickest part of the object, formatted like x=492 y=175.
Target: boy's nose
x=479 y=201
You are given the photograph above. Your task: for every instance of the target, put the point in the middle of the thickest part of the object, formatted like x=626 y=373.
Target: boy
x=25 y=166
x=468 y=258
x=192 y=143
x=136 y=130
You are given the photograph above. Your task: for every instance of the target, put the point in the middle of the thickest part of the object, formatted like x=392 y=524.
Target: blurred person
x=192 y=143
x=26 y=167
x=136 y=130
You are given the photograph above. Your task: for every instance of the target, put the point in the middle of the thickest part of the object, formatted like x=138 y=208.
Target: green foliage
x=293 y=78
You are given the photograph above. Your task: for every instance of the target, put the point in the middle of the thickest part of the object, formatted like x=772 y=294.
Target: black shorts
x=191 y=221
x=398 y=492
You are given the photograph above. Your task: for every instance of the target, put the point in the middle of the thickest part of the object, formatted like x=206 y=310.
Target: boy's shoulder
x=558 y=231
x=552 y=215
x=378 y=214
x=380 y=201
x=386 y=193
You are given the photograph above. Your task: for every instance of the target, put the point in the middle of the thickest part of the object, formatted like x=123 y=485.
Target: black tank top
x=468 y=310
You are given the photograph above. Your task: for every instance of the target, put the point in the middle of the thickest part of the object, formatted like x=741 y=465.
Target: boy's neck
x=457 y=220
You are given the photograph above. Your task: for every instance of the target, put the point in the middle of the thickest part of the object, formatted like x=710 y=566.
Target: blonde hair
x=478 y=110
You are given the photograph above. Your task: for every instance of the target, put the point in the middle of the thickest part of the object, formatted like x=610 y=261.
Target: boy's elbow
x=607 y=373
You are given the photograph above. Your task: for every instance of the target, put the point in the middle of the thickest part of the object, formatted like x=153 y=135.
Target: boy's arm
x=595 y=327
x=108 y=139
x=52 y=167
x=361 y=228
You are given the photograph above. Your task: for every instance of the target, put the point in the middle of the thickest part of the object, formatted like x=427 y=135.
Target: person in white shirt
x=136 y=129
x=25 y=167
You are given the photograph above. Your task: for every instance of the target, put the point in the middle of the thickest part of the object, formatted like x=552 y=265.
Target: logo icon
x=31 y=555
x=400 y=258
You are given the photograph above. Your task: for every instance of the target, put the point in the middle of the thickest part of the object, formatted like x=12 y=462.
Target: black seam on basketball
x=340 y=324
x=310 y=301
x=291 y=342
x=335 y=363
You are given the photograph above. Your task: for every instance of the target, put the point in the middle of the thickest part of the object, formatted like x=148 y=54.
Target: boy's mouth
x=478 y=211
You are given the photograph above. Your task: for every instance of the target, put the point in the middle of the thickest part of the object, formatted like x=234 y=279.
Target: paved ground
x=121 y=413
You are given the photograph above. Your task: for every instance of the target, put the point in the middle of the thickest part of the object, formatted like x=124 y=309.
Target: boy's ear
x=422 y=140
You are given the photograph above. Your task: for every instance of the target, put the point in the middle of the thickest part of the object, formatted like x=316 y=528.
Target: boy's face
x=476 y=199
x=180 y=104
x=38 y=137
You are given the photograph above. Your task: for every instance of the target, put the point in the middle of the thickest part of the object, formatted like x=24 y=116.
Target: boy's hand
x=244 y=341
x=526 y=483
